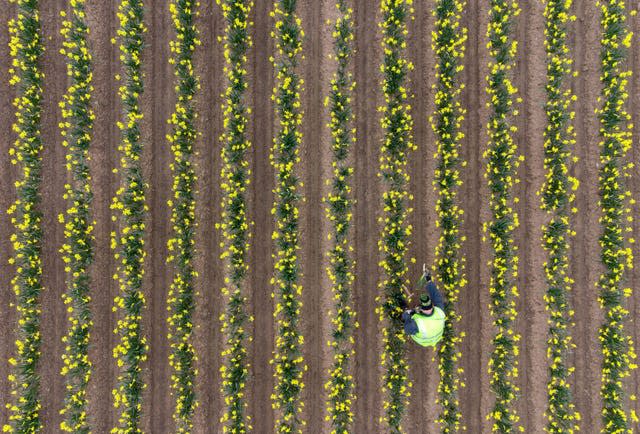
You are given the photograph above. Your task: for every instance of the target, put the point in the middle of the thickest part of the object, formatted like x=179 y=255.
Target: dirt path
x=261 y=266
x=470 y=299
x=423 y=365
x=208 y=339
x=315 y=166
x=586 y=265
x=157 y=103
x=476 y=322
x=368 y=97
x=532 y=320
x=54 y=177
x=101 y=19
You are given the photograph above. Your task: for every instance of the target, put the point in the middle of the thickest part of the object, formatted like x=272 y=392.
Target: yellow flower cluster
x=288 y=359
x=26 y=50
x=448 y=41
x=234 y=223
x=616 y=220
x=129 y=208
x=77 y=250
x=181 y=246
x=559 y=136
x=501 y=170
x=339 y=203
x=397 y=124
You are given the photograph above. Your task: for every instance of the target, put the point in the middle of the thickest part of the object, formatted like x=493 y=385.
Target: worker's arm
x=410 y=326
x=435 y=295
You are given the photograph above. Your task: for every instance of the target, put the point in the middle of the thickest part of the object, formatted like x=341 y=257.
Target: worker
x=425 y=323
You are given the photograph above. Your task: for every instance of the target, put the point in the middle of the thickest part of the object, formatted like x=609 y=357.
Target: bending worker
x=425 y=323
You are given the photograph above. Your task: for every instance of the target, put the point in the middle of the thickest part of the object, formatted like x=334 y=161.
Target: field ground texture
x=316 y=69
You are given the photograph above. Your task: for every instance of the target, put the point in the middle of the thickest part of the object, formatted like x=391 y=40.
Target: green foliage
x=616 y=220
x=234 y=225
x=502 y=164
x=181 y=246
x=77 y=251
x=340 y=386
x=394 y=240
x=448 y=43
x=559 y=135
x=25 y=75
x=288 y=359
x=129 y=211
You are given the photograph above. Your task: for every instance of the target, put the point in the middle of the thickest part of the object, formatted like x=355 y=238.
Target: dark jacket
x=436 y=297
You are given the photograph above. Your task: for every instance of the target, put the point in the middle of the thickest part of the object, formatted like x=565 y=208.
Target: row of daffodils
x=557 y=197
x=448 y=42
x=501 y=169
x=397 y=143
x=181 y=246
x=618 y=355
x=339 y=205
x=287 y=359
x=129 y=207
x=26 y=76
x=77 y=251
x=234 y=223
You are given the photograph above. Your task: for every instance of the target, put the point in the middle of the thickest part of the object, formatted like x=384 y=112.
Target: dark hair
x=425 y=302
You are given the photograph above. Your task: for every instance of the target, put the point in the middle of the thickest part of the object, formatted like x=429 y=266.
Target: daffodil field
x=234 y=221
x=216 y=216
x=77 y=250
x=557 y=196
x=502 y=163
x=181 y=247
x=339 y=211
x=448 y=42
x=618 y=353
x=397 y=143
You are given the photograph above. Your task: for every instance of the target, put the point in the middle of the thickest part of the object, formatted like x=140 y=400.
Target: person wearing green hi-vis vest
x=425 y=323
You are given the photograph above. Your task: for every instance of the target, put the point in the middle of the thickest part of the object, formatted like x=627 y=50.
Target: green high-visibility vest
x=430 y=328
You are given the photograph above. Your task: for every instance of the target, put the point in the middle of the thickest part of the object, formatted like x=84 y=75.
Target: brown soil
x=316 y=69
x=53 y=317
x=530 y=79
x=261 y=266
x=101 y=20
x=368 y=408
x=313 y=225
x=474 y=351
x=423 y=365
x=207 y=334
x=586 y=266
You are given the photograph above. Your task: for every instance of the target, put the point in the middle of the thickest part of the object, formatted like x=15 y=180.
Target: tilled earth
x=316 y=70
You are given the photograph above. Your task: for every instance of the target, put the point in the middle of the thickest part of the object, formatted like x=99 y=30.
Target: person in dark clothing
x=425 y=323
